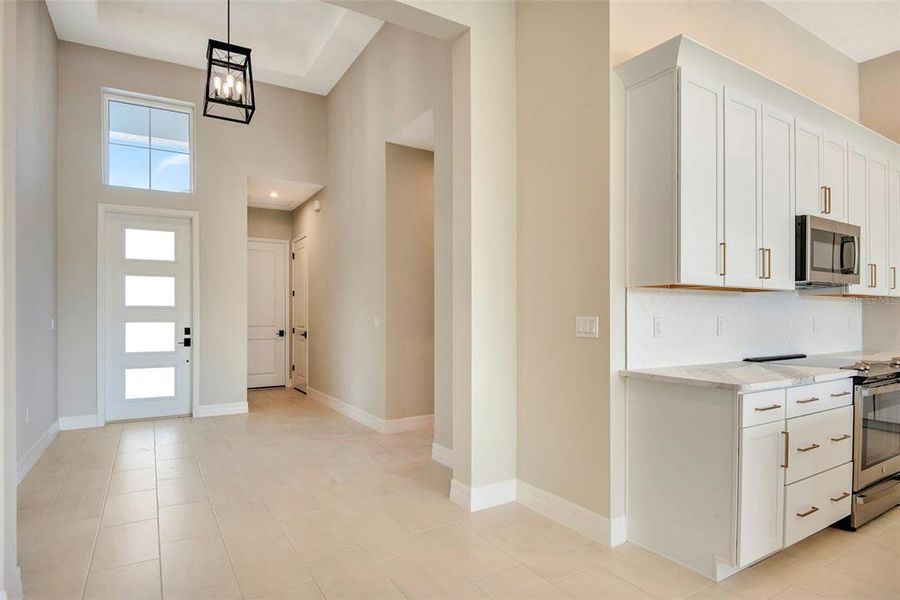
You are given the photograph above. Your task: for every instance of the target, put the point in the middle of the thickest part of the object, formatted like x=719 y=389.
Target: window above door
x=147 y=142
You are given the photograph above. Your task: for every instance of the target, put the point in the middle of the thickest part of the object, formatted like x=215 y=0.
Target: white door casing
x=146 y=308
x=300 y=313
x=266 y=312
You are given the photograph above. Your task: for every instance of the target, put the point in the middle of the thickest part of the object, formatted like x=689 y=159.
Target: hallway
x=296 y=501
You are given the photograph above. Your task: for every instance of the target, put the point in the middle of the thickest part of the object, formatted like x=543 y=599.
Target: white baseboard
x=484 y=496
x=78 y=422
x=586 y=522
x=34 y=453
x=380 y=425
x=221 y=410
x=442 y=454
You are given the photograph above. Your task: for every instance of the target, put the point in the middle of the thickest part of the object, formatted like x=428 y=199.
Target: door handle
x=304 y=335
x=824 y=189
x=841 y=497
x=787 y=453
x=808 y=400
x=808 y=448
x=841 y=438
x=724 y=247
x=281 y=333
x=186 y=342
x=768 y=263
x=809 y=512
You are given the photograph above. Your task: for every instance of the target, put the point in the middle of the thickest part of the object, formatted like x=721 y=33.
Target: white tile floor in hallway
x=296 y=501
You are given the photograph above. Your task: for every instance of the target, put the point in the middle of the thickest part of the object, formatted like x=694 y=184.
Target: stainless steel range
x=876 y=417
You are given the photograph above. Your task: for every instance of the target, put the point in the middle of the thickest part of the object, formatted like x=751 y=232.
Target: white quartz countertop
x=741 y=376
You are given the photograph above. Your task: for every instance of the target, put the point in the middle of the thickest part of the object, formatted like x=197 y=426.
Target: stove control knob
x=862 y=366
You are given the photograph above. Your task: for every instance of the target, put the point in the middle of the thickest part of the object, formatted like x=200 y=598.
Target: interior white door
x=743 y=119
x=148 y=266
x=777 y=200
x=300 y=314
x=266 y=316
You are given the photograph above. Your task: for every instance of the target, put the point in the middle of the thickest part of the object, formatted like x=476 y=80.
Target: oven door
x=877 y=434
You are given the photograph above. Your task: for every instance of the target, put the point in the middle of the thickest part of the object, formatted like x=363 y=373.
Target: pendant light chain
x=229 y=21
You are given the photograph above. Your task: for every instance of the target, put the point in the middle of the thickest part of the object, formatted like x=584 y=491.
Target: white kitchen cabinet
x=857 y=212
x=893 y=197
x=761 y=483
x=720 y=159
x=877 y=227
x=821 y=162
x=711 y=470
x=777 y=232
x=744 y=264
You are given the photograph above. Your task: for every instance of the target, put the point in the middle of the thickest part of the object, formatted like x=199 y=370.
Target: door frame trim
x=294 y=240
x=286 y=249
x=104 y=210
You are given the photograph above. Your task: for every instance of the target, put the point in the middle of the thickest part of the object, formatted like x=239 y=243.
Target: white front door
x=266 y=316
x=300 y=314
x=148 y=266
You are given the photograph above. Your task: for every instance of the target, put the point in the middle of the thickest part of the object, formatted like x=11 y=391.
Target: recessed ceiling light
x=273 y=194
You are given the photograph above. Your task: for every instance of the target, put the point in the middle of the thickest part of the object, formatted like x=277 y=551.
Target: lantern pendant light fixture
x=229 y=81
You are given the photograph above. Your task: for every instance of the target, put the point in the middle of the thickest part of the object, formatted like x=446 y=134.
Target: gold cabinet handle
x=872 y=279
x=824 y=199
x=724 y=247
x=808 y=400
x=809 y=512
x=762 y=266
x=829 y=199
x=787 y=453
x=768 y=263
x=876 y=275
x=841 y=395
x=841 y=497
x=841 y=438
x=765 y=408
x=808 y=448
x=893 y=278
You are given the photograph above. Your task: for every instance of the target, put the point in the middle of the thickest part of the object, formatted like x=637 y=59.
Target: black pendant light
x=229 y=81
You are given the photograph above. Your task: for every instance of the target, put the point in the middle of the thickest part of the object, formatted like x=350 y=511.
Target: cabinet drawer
x=808 y=399
x=819 y=442
x=817 y=502
x=762 y=407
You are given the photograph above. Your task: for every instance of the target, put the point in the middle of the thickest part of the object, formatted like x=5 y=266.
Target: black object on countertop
x=774 y=358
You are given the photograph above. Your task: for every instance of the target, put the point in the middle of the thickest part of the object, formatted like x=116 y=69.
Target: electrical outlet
x=376 y=322
x=657 y=327
x=52 y=323
x=720 y=326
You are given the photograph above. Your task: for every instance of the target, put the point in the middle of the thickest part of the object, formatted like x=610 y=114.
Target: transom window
x=147 y=142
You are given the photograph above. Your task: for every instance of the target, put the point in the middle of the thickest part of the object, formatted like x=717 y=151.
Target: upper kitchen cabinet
x=821 y=176
x=720 y=159
x=893 y=198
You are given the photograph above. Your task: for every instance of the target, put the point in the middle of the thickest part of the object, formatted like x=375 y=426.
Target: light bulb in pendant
x=229 y=80
x=217 y=84
x=239 y=90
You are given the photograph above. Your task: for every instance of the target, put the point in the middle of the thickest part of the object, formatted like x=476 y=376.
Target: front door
x=300 y=314
x=148 y=266
x=266 y=315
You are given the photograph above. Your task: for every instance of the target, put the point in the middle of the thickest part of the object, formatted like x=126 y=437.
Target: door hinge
x=292 y=368
x=293 y=293
x=292 y=256
x=293 y=330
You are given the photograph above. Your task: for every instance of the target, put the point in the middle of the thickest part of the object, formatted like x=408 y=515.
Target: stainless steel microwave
x=827 y=252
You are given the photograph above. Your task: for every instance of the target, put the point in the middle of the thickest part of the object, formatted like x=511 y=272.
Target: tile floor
x=296 y=501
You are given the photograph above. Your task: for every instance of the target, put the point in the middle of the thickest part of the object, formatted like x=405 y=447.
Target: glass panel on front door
x=150 y=336
x=156 y=382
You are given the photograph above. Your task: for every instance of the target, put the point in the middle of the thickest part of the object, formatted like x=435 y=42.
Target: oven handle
x=886 y=490
x=866 y=391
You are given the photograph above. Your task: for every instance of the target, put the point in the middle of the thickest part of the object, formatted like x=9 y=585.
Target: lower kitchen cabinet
x=718 y=480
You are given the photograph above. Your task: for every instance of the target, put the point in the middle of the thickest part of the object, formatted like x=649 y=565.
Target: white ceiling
x=306 y=45
x=290 y=194
x=861 y=29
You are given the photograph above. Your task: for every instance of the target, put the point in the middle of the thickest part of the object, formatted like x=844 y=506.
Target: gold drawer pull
x=787 y=452
x=765 y=408
x=808 y=400
x=841 y=497
x=808 y=448
x=841 y=438
x=841 y=395
x=809 y=512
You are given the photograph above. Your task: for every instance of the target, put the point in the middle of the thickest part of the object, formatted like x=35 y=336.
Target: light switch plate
x=657 y=327
x=720 y=326
x=588 y=327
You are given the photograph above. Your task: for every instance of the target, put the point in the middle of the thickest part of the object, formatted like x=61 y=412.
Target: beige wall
x=879 y=95
x=409 y=318
x=270 y=224
x=563 y=182
x=36 y=105
x=401 y=75
x=286 y=140
x=748 y=31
